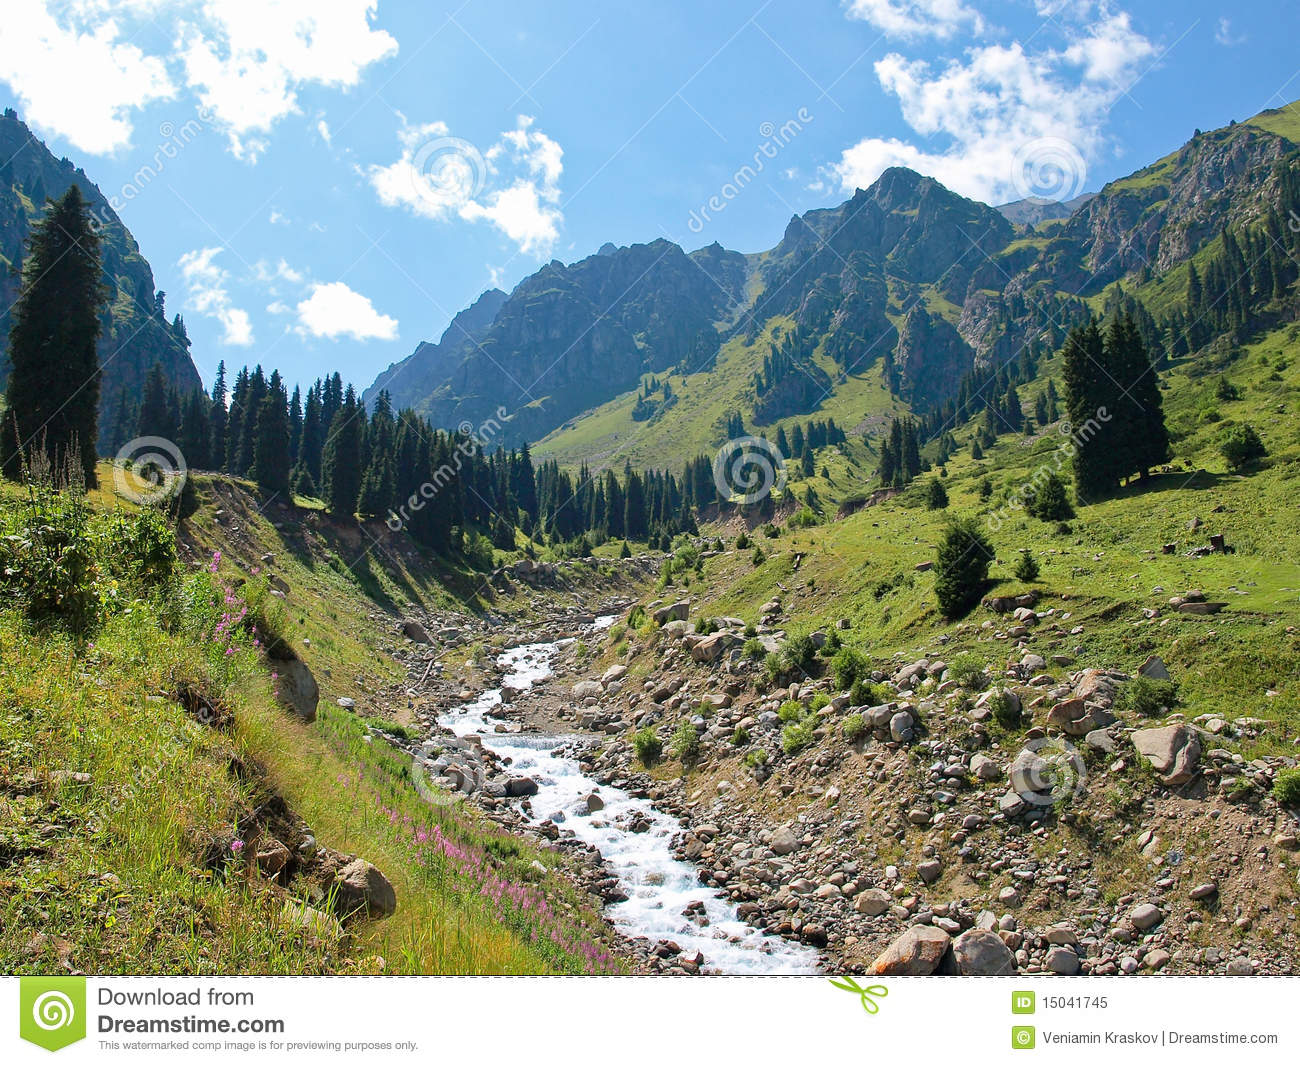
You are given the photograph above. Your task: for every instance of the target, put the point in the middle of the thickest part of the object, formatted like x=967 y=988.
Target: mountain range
x=890 y=298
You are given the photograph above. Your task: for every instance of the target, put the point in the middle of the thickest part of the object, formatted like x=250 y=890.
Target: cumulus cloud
x=70 y=63
x=207 y=294
x=916 y=18
x=1008 y=120
x=334 y=310
x=514 y=185
x=1224 y=36
x=78 y=77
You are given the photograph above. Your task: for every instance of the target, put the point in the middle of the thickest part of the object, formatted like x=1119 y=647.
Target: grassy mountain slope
x=129 y=824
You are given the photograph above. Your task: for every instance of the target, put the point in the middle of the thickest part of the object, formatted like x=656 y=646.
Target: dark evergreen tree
x=962 y=567
x=271 y=464
x=52 y=394
x=341 y=462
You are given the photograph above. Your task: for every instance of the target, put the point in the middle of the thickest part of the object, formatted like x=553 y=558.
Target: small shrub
x=1026 y=566
x=1147 y=697
x=818 y=701
x=855 y=727
x=848 y=665
x=865 y=693
x=962 y=568
x=791 y=710
x=637 y=618
x=740 y=738
x=758 y=558
x=751 y=631
x=1286 y=787
x=799 y=653
x=797 y=735
x=1006 y=710
x=756 y=758
x=967 y=669
x=1241 y=447
x=743 y=542
x=754 y=649
x=648 y=746
x=686 y=743
x=936 y=496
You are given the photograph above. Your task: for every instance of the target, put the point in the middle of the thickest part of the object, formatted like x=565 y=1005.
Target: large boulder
x=711 y=648
x=675 y=612
x=296 y=687
x=1097 y=686
x=415 y=632
x=872 y=901
x=917 y=952
x=979 y=952
x=588 y=689
x=783 y=841
x=1173 y=751
x=1077 y=718
x=359 y=887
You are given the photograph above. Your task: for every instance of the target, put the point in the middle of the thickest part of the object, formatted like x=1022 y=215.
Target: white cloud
x=247 y=61
x=79 y=72
x=334 y=310
x=916 y=18
x=266 y=271
x=276 y=218
x=1003 y=111
x=514 y=185
x=79 y=77
x=207 y=294
x=1224 y=36
x=323 y=128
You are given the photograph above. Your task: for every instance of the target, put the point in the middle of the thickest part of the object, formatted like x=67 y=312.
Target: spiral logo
x=1048 y=168
x=466 y=428
x=448 y=171
x=1048 y=771
x=748 y=469
x=53 y=1010
x=463 y=776
x=766 y=129
x=149 y=469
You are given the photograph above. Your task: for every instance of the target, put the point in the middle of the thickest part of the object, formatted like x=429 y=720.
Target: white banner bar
x=634 y=1020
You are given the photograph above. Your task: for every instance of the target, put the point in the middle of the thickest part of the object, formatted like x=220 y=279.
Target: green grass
x=132 y=868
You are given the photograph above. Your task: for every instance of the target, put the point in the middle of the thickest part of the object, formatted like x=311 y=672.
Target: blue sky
x=322 y=185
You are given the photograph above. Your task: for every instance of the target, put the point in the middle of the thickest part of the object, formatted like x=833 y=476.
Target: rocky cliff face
x=136 y=333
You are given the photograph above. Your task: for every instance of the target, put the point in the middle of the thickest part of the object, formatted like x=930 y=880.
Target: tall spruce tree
x=1088 y=390
x=53 y=389
x=271 y=463
x=341 y=463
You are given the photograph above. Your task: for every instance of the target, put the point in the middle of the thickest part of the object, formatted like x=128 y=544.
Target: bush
x=648 y=746
x=686 y=743
x=754 y=648
x=1006 y=710
x=865 y=693
x=848 y=665
x=756 y=758
x=1286 y=787
x=790 y=711
x=740 y=738
x=1147 y=697
x=819 y=700
x=799 y=653
x=936 y=496
x=742 y=542
x=855 y=727
x=967 y=669
x=758 y=558
x=637 y=618
x=798 y=735
x=1049 y=501
x=962 y=568
x=1241 y=447
x=1026 y=566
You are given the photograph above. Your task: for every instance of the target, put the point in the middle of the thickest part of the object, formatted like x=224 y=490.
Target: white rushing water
x=659 y=887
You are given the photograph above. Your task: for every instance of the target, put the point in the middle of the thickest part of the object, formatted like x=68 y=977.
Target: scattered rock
x=917 y=952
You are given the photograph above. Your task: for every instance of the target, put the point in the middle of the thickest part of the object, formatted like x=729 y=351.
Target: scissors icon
x=867 y=994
